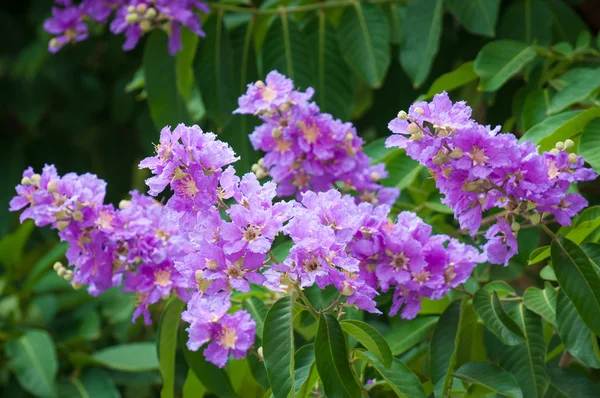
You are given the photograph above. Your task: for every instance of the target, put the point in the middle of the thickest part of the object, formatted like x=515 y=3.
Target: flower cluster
x=106 y=245
x=307 y=150
x=478 y=169
x=132 y=18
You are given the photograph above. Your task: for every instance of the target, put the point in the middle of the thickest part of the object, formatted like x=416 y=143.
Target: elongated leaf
x=570 y=383
x=566 y=23
x=334 y=90
x=410 y=333
x=33 y=361
x=167 y=106
x=478 y=17
x=370 y=338
x=490 y=310
x=471 y=345
x=331 y=357
x=577 y=337
x=422 y=30
x=192 y=387
x=590 y=142
x=578 y=84
x=363 y=37
x=11 y=245
x=94 y=383
x=460 y=76
x=286 y=50
x=579 y=280
x=399 y=377
x=167 y=344
x=535 y=108
x=258 y=310
x=304 y=359
x=278 y=347
x=490 y=376
x=542 y=302
x=184 y=62
x=527 y=361
x=442 y=350
x=132 y=357
x=499 y=60
x=527 y=21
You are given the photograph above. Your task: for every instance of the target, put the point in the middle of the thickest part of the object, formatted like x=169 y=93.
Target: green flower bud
x=25 y=181
x=35 y=179
x=52 y=186
x=57 y=265
x=132 y=18
x=77 y=215
x=68 y=276
x=569 y=144
x=413 y=128
x=402 y=115
x=560 y=145
x=573 y=158
x=145 y=25
x=151 y=13
x=141 y=8
x=419 y=110
x=456 y=153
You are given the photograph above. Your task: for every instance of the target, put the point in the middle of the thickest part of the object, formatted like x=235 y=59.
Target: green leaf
x=167 y=106
x=402 y=169
x=11 y=246
x=535 y=108
x=499 y=60
x=478 y=17
x=44 y=264
x=399 y=377
x=422 y=31
x=500 y=287
x=443 y=347
x=438 y=207
x=542 y=302
x=33 y=361
x=471 y=345
x=560 y=127
x=258 y=310
x=579 y=280
x=539 y=254
x=576 y=336
x=286 y=50
x=331 y=357
x=278 y=347
x=214 y=379
x=167 y=344
x=527 y=361
x=184 y=61
x=490 y=376
x=528 y=21
x=410 y=333
x=94 y=383
x=490 y=310
x=547 y=273
x=334 y=91
x=460 y=76
x=363 y=38
x=566 y=23
x=132 y=357
x=589 y=144
x=578 y=85
x=370 y=338
x=192 y=388
x=304 y=360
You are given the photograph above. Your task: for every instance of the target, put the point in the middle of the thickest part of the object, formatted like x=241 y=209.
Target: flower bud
x=375 y=176
x=261 y=162
x=347 y=290
x=54 y=43
x=68 y=276
x=61 y=271
x=573 y=158
x=569 y=144
x=77 y=215
x=124 y=204
x=132 y=18
x=412 y=128
x=57 y=265
x=260 y=353
x=131 y=9
x=62 y=225
x=255 y=167
x=52 y=186
x=286 y=106
x=141 y=8
x=554 y=151
x=560 y=145
x=456 y=153
x=349 y=137
x=151 y=13
x=35 y=179
x=25 y=181
x=259 y=84
x=76 y=285
x=419 y=110
x=145 y=25
x=402 y=115
x=211 y=264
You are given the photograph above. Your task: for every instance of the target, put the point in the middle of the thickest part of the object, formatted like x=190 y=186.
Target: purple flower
x=66 y=25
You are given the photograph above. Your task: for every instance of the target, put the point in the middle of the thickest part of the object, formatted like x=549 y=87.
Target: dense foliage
x=418 y=251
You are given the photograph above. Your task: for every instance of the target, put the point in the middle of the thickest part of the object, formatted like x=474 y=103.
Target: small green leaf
x=542 y=302
x=422 y=30
x=499 y=60
x=577 y=337
x=490 y=376
x=192 y=387
x=370 y=338
x=490 y=310
x=589 y=144
x=478 y=17
x=578 y=84
x=167 y=344
x=410 y=333
x=33 y=361
x=459 y=77
x=399 y=377
x=132 y=357
x=528 y=21
x=539 y=254
x=258 y=310
x=579 y=280
x=547 y=273
x=363 y=38
x=500 y=287
x=278 y=347
x=331 y=357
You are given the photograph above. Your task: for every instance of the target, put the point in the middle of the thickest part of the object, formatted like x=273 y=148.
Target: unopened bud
x=25 y=181
x=52 y=186
x=375 y=176
x=261 y=162
x=77 y=215
x=76 y=285
x=54 y=43
x=211 y=265
x=124 y=204
x=132 y=18
x=419 y=110
x=456 y=153
x=141 y=8
x=57 y=265
x=35 y=179
x=145 y=25
x=260 y=353
x=560 y=145
x=68 y=276
x=62 y=225
x=259 y=84
x=347 y=290
x=349 y=136
x=573 y=158
x=554 y=151
x=61 y=271
x=569 y=144
x=255 y=167
x=402 y=115
x=276 y=133
x=412 y=128
x=131 y=9
x=261 y=173
x=151 y=13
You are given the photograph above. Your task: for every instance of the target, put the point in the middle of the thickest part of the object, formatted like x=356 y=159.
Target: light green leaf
x=490 y=310
x=258 y=310
x=278 y=347
x=579 y=280
x=304 y=359
x=578 y=84
x=499 y=60
x=438 y=207
x=33 y=361
x=528 y=21
x=192 y=388
x=443 y=347
x=132 y=357
x=589 y=144
x=370 y=338
x=547 y=273
x=478 y=16
x=490 y=376
x=460 y=76
x=577 y=337
x=167 y=344
x=184 y=61
x=399 y=377
x=542 y=302
x=539 y=254
x=500 y=287
x=331 y=357
x=167 y=106
x=422 y=31
x=410 y=333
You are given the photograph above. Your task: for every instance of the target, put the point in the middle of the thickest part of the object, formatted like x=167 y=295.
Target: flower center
x=311 y=265
x=251 y=233
x=478 y=156
x=105 y=220
x=283 y=146
x=268 y=94
x=399 y=260
x=228 y=338
x=421 y=277
x=162 y=278
x=311 y=133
